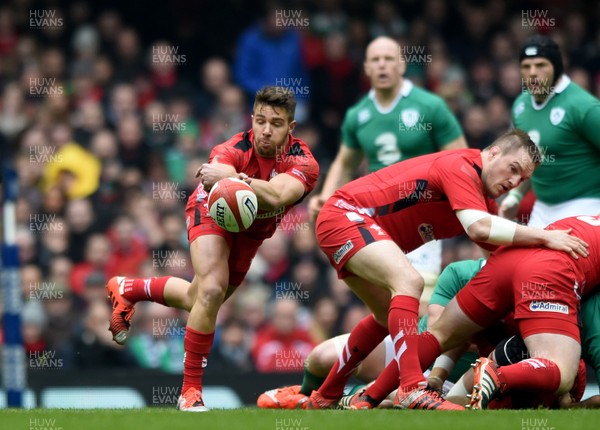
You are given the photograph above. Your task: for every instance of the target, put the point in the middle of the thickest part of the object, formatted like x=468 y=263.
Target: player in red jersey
x=282 y=171
x=368 y=224
x=544 y=287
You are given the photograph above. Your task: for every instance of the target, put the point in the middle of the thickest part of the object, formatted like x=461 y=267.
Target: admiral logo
x=339 y=254
x=539 y=306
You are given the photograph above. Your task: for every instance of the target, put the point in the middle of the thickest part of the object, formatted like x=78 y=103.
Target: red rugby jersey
x=414 y=200
x=295 y=160
x=587 y=270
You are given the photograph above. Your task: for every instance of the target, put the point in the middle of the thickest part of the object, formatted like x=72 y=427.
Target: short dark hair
x=277 y=97
x=514 y=139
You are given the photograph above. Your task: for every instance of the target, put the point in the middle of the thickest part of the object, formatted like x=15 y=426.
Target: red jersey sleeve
x=458 y=178
x=227 y=155
x=303 y=167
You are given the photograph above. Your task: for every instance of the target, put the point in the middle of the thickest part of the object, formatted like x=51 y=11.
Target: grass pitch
x=255 y=419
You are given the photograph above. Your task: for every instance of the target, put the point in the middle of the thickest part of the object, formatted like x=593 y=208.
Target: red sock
x=367 y=334
x=533 y=374
x=429 y=349
x=149 y=289
x=402 y=323
x=386 y=382
x=196 y=346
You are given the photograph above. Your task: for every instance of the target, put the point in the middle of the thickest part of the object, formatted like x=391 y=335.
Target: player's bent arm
x=211 y=173
x=341 y=170
x=280 y=191
x=481 y=226
x=458 y=143
x=444 y=364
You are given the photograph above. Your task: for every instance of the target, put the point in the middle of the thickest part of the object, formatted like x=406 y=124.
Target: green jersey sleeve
x=589 y=125
x=590 y=334
x=452 y=279
x=349 y=130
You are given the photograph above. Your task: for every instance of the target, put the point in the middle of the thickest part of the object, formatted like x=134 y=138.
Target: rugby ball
x=232 y=204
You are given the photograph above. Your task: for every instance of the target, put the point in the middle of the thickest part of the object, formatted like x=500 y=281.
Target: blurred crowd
x=106 y=122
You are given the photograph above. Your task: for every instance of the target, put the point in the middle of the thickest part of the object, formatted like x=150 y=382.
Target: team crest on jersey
x=426 y=232
x=273 y=174
x=409 y=117
x=557 y=115
x=363 y=116
x=519 y=109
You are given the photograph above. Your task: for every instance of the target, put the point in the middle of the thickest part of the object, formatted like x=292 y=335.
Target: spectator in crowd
x=214 y=78
x=257 y=49
x=92 y=344
x=282 y=346
x=33 y=321
x=231 y=350
x=81 y=220
x=158 y=343
x=98 y=258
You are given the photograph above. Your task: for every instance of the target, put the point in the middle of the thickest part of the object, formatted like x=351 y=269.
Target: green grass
x=251 y=419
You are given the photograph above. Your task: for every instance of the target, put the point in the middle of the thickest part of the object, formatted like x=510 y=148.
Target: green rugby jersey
x=566 y=130
x=590 y=333
x=452 y=279
x=417 y=123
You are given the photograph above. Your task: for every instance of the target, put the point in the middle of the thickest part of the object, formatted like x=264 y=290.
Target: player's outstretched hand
x=561 y=240
x=314 y=207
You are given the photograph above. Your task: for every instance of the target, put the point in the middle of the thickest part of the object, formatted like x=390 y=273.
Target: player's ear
x=494 y=151
x=292 y=126
x=366 y=69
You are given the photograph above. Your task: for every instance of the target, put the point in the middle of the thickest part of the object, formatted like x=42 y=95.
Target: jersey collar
x=405 y=90
x=562 y=85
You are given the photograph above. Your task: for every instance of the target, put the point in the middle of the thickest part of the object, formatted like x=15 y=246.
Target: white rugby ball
x=232 y=204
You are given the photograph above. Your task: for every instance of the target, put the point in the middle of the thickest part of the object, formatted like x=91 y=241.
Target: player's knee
x=414 y=281
x=567 y=379
x=210 y=295
x=322 y=357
